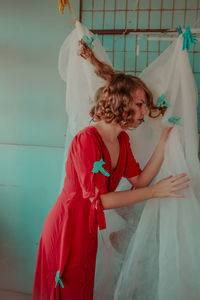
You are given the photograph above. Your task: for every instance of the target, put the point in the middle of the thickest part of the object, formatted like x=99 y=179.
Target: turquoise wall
x=32 y=114
x=32 y=128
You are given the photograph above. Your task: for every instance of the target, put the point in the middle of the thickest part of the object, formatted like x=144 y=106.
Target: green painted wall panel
x=130 y=42
x=141 y=62
x=119 y=43
x=87 y=19
x=130 y=61
x=120 y=20
x=98 y=4
x=142 y=42
x=168 y=4
x=178 y=18
x=131 y=19
x=132 y=4
x=32 y=93
x=119 y=60
x=109 y=20
x=192 y=4
x=97 y=20
x=153 y=46
x=190 y=18
x=155 y=19
x=143 y=4
x=32 y=129
x=32 y=102
x=166 y=19
x=108 y=43
x=164 y=45
x=120 y=4
x=109 y=5
x=197 y=62
x=143 y=19
x=151 y=57
x=87 y=4
x=180 y=4
x=30 y=182
x=155 y=4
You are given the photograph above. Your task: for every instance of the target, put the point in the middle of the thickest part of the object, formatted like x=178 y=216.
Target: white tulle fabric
x=150 y=251
x=81 y=80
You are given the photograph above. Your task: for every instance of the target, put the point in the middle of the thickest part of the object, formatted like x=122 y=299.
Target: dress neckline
x=120 y=150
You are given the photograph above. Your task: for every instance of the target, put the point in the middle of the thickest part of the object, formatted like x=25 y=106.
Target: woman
x=99 y=156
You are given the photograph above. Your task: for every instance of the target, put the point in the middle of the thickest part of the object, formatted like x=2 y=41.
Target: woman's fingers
x=181 y=181
x=183 y=187
x=167 y=178
x=174 y=178
x=170 y=185
x=169 y=129
x=177 y=195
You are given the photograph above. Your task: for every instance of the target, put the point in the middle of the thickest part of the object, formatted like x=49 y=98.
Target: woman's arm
x=164 y=188
x=154 y=163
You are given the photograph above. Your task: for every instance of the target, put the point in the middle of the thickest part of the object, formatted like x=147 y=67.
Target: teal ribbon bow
x=98 y=167
x=57 y=279
x=188 y=38
x=89 y=41
x=179 y=29
x=161 y=101
x=174 y=120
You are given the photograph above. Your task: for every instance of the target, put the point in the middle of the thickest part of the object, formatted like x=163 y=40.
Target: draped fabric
x=149 y=251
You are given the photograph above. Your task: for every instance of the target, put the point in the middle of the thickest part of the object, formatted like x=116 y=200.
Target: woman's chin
x=137 y=123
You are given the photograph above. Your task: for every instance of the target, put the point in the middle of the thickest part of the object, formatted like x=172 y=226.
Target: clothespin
x=57 y=279
x=174 y=120
x=179 y=29
x=89 y=41
x=188 y=38
x=161 y=101
x=98 y=167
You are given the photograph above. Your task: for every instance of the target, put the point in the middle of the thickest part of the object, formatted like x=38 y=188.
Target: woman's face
x=139 y=106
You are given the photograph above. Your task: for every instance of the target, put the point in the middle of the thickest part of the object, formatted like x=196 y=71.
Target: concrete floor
x=6 y=295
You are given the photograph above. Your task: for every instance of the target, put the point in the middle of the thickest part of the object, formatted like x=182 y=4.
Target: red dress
x=68 y=242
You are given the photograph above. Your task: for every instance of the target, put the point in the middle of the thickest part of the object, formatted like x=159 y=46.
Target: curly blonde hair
x=113 y=100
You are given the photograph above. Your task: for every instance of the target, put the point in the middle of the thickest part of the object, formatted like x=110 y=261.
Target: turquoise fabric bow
x=174 y=120
x=89 y=41
x=179 y=29
x=161 y=101
x=57 y=279
x=98 y=167
x=188 y=38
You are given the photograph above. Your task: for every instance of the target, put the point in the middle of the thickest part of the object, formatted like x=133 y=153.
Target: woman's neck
x=108 y=131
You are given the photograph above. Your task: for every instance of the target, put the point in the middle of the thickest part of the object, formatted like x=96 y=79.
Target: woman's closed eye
x=139 y=104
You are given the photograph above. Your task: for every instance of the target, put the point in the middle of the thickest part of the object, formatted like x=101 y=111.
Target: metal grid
x=127 y=28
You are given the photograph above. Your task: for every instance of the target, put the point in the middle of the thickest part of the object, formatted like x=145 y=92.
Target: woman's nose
x=144 y=110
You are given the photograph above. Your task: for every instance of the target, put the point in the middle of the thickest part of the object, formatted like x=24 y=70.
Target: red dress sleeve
x=132 y=167
x=86 y=151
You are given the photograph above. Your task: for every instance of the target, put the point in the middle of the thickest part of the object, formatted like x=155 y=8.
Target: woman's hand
x=169 y=186
x=165 y=134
